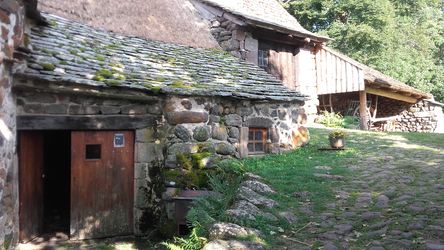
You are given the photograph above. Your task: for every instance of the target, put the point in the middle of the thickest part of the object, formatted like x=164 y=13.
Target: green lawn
x=294 y=172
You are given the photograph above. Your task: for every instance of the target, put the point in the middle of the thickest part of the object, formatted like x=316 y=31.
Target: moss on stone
x=199 y=159
x=116 y=65
x=112 y=82
x=198 y=86
x=113 y=46
x=46 y=51
x=172 y=175
x=222 y=121
x=74 y=52
x=194 y=173
x=104 y=73
x=48 y=66
x=179 y=84
x=156 y=89
x=160 y=79
x=100 y=58
x=63 y=63
x=120 y=77
x=53 y=23
x=184 y=161
x=171 y=60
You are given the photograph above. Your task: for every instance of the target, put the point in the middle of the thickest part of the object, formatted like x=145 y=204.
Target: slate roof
x=70 y=52
x=268 y=13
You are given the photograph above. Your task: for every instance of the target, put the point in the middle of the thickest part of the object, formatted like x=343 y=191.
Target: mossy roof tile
x=141 y=64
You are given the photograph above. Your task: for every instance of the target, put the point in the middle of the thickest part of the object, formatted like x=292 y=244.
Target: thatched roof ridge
x=374 y=77
x=71 y=52
x=267 y=14
x=172 y=21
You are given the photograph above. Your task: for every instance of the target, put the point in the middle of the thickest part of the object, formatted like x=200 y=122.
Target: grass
x=294 y=172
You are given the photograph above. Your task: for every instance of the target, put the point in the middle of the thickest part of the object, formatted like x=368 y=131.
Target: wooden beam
x=280 y=38
x=84 y=122
x=391 y=95
x=92 y=92
x=363 y=110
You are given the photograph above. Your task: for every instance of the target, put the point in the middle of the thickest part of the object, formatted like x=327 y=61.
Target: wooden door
x=282 y=64
x=30 y=185
x=101 y=183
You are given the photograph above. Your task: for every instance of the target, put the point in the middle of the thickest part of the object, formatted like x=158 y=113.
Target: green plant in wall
x=193 y=171
x=222 y=121
x=200 y=159
x=193 y=177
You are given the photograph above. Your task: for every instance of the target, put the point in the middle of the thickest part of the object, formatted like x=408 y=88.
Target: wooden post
x=363 y=110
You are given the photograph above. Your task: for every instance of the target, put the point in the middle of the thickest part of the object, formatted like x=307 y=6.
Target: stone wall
x=149 y=142
x=230 y=32
x=11 y=36
x=235 y=39
x=217 y=123
x=184 y=125
x=219 y=126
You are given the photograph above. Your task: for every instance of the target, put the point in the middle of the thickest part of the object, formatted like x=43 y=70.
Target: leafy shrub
x=331 y=119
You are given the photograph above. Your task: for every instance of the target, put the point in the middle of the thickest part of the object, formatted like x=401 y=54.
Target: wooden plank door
x=282 y=64
x=30 y=185
x=101 y=183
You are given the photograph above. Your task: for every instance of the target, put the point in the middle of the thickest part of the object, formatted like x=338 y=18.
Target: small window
x=262 y=59
x=93 y=151
x=257 y=139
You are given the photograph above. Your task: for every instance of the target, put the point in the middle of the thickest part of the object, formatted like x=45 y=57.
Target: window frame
x=262 y=58
x=253 y=141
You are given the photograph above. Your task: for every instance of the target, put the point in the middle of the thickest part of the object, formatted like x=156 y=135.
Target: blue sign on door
x=119 y=140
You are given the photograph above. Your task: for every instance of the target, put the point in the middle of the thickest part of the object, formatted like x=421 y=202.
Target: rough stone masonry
x=11 y=36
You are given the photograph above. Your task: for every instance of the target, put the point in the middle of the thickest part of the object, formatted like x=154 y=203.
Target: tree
x=401 y=38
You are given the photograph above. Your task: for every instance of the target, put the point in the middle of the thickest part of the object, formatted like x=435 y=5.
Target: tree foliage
x=401 y=38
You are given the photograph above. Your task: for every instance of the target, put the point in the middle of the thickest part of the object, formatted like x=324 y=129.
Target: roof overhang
x=312 y=37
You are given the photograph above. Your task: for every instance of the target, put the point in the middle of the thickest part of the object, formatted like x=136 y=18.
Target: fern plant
x=192 y=242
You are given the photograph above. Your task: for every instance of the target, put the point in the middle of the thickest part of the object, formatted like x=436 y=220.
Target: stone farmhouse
x=96 y=101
